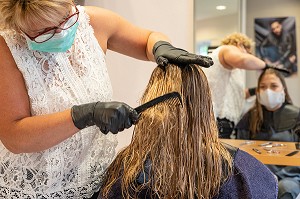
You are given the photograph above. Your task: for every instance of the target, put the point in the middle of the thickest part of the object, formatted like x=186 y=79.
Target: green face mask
x=60 y=42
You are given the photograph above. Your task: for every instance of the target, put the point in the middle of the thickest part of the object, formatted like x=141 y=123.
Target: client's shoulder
x=250 y=178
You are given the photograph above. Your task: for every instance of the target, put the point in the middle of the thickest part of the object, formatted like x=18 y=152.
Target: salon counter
x=273 y=153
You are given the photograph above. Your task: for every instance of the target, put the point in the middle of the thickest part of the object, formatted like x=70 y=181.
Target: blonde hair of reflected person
x=237 y=39
x=187 y=158
x=22 y=14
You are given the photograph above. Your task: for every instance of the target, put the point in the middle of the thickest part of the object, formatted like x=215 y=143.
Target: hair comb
x=282 y=70
x=173 y=98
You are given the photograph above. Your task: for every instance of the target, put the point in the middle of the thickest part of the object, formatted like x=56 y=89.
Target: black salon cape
x=278 y=125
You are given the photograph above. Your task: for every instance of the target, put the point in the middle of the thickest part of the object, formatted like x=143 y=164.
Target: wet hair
x=256 y=113
x=236 y=39
x=181 y=141
x=21 y=14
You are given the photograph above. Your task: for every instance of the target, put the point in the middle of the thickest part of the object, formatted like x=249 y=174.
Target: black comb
x=292 y=153
x=282 y=70
x=174 y=95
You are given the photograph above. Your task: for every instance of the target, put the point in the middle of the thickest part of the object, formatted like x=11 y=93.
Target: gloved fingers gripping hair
x=280 y=69
x=165 y=53
x=108 y=116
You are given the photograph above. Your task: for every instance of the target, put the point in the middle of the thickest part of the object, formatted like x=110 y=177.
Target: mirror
x=213 y=23
x=80 y=2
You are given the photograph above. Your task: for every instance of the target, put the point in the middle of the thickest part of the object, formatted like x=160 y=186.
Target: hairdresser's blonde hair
x=237 y=39
x=21 y=14
x=181 y=141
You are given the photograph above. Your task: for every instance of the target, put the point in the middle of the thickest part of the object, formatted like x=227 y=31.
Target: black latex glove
x=108 y=116
x=282 y=70
x=252 y=91
x=165 y=53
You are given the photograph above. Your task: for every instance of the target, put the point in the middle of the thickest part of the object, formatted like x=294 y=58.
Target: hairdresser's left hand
x=165 y=53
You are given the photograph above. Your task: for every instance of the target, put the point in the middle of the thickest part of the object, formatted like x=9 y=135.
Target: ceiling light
x=221 y=7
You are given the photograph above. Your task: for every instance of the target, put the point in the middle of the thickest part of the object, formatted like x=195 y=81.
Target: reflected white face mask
x=271 y=99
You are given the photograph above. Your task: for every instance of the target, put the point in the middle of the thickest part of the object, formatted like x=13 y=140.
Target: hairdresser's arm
x=232 y=57
x=19 y=131
x=115 y=33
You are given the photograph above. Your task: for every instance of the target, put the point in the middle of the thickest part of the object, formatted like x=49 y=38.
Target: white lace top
x=55 y=82
x=227 y=88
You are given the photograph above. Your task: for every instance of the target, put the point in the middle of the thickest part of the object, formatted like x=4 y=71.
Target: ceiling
x=207 y=8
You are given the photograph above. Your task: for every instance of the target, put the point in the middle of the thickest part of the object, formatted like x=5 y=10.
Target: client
x=175 y=151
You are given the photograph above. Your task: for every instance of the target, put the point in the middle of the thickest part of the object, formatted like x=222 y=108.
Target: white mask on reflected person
x=271 y=99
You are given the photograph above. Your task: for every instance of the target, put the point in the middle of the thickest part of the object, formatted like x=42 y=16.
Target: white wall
x=210 y=28
x=130 y=76
x=275 y=8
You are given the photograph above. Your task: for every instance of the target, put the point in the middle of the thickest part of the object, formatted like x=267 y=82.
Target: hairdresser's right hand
x=165 y=53
x=108 y=116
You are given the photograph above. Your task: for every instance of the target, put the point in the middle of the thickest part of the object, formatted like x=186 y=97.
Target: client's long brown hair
x=181 y=141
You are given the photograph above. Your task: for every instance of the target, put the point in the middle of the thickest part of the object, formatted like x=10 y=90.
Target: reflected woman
x=274 y=118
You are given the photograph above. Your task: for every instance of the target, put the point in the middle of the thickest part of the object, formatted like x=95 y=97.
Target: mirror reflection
x=271 y=125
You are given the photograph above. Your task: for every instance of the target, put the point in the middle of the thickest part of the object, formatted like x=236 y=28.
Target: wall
x=130 y=76
x=275 y=8
x=210 y=28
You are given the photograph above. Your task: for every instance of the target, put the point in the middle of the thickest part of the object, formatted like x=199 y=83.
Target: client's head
x=180 y=140
x=271 y=93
